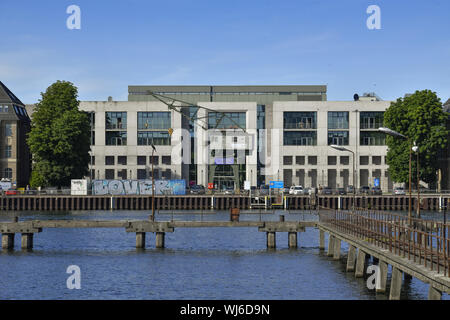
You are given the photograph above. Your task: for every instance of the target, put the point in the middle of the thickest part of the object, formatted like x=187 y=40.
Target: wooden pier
x=215 y=202
x=28 y=229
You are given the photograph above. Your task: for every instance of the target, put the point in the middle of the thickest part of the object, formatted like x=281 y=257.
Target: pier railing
x=421 y=241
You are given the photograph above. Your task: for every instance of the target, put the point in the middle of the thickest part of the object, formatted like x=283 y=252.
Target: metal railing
x=422 y=241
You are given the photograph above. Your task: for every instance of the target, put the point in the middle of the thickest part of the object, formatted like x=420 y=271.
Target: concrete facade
x=260 y=153
x=131 y=150
x=325 y=171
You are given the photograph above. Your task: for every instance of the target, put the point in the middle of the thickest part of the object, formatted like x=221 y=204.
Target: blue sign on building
x=376 y=182
x=276 y=184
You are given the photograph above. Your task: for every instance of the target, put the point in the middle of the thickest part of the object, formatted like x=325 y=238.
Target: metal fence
x=422 y=241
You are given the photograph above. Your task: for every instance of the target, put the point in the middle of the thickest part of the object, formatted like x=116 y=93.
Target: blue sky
x=226 y=43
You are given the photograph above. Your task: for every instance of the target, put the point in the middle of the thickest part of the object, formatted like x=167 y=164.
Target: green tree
x=421 y=118
x=59 y=139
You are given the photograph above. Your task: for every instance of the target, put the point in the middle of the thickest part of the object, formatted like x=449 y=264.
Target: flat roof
x=229 y=88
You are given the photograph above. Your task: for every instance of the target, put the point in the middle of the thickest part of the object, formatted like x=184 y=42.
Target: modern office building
x=226 y=135
x=14 y=126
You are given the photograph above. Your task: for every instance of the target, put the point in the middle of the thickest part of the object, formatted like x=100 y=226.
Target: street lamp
x=153 y=185
x=399 y=135
x=340 y=148
x=416 y=150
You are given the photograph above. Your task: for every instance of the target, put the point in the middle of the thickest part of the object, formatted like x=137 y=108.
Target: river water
x=200 y=263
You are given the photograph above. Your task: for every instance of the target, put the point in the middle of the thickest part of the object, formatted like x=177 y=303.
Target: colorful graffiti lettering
x=142 y=187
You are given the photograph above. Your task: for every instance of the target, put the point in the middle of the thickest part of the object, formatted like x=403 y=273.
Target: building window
x=337 y=120
x=141 y=160
x=122 y=174
x=312 y=160
x=109 y=160
x=116 y=138
x=109 y=174
x=300 y=160
x=8 y=151
x=376 y=160
x=166 y=160
x=122 y=160
x=167 y=174
x=344 y=160
x=92 y=122
x=226 y=120
x=300 y=138
x=158 y=138
x=116 y=120
x=5 y=108
x=332 y=161
x=287 y=160
x=141 y=173
x=364 y=160
x=371 y=120
x=370 y=138
x=339 y=138
x=155 y=160
x=7 y=173
x=8 y=130
x=299 y=120
x=261 y=116
x=93 y=160
x=154 y=120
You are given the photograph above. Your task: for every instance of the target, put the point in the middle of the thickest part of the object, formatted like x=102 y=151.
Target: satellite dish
x=355 y=97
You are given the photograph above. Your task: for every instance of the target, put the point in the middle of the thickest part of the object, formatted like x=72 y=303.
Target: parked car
x=364 y=190
x=228 y=190
x=307 y=191
x=341 y=191
x=197 y=189
x=376 y=191
x=296 y=190
x=286 y=190
x=10 y=192
x=327 y=190
x=399 y=191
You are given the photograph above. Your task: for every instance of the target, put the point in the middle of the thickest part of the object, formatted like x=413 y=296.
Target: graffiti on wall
x=142 y=187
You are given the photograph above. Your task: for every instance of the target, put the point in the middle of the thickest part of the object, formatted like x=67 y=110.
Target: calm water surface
x=201 y=263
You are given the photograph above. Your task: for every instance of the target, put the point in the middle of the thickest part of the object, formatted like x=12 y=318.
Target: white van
x=296 y=190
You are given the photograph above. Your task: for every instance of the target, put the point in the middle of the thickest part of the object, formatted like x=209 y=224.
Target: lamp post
x=396 y=134
x=153 y=186
x=416 y=150
x=340 y=148
x=445 y=231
